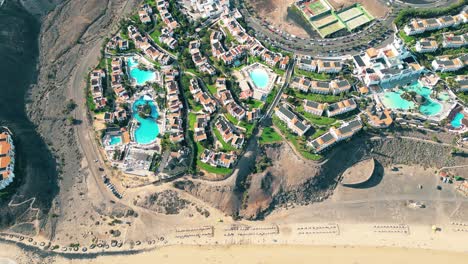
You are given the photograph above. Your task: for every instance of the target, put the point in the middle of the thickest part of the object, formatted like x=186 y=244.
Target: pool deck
x=446 y=106
x=141 y=59
x=272 y=76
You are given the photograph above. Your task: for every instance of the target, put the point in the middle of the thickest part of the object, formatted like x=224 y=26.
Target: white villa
x=389 y=64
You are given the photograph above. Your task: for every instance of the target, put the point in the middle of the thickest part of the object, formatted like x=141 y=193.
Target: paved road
x=377 y=34
x=380 y=32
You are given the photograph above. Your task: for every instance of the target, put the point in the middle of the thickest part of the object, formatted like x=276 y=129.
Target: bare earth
x=276 y=11
x=377 y=8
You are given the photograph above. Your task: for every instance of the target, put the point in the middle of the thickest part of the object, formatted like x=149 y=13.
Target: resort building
x=228 y=133
x=117 y=43
x=254 y=114
x=209 y=8
x=321 y=143
x=283 y=64
x=445 y=64
x=418 y=26
x=219 y=52
x=462 y=81
x=426 y=45
x=301 y=83
x=452 y=41
x=250 y=43
x=144 y=14
x=314 y=107
x=199 y=60
x=236 y=110
x=306 y=64
x=7 y=159
x=345 y=131
x=387 y=66
x=341 y=107
x=209 y=105
x=142 y=43
x=201 y=124
x=221 y=159
x=330 y=87
x=328 y=66
x=167 y=38
x=174 y=107
x=96 y=87
x=138 y=161
x=379 y=118
x=292 y=120
x=166 y=16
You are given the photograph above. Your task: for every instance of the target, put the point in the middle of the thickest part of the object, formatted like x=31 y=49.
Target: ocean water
x=36 y=174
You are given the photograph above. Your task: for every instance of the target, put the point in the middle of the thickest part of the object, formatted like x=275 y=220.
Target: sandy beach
x=259 y=254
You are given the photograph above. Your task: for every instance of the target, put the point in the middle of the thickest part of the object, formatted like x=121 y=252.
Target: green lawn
x=226 y=146
x=317 y=120
x=298 y=143
x=211 y=169
x=212 y=88
x=207 y=167
x=252 y=103
x=318 y=133
x=231 y=118
x=248 y=128
x=320 y=98
x=192 y=119
x=313 y=75
x=269 y=135
x=463 y=96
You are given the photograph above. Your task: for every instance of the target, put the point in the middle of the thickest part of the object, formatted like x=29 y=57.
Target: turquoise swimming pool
x=115 y=140
x=457 y=120
x=148 y=129
x=259 y=77
x=140 y=76
x=394 y=100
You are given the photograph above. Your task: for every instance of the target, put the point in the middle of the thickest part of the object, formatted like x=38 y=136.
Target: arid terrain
x=276 y=12
x=377 y=8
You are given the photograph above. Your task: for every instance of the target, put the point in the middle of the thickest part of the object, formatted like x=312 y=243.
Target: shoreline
x=344 y=235
x=257 y=253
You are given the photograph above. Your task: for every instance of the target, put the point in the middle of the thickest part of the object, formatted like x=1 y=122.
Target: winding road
x=84 y=131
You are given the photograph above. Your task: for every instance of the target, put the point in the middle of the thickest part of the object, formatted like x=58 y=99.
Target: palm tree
x=438 y=88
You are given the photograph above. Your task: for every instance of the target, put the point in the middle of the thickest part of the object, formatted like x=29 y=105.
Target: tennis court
x=330 y=29
x=357 y=22
x=324 y=21
x=316 y=7
x=350 y=14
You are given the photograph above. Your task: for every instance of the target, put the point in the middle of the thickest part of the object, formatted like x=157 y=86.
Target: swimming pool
x=148 y=129
x=259 y=77
x=115 y=140
x=457 y=120
x=140 y=76
x=394 y=100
